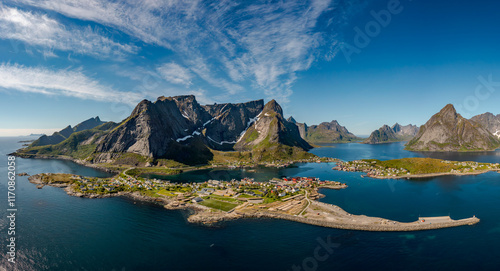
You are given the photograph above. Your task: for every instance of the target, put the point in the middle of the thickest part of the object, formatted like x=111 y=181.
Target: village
x=216 y=194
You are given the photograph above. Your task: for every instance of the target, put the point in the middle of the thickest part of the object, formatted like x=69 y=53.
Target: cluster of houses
x=117 y=184
x=369 y=168
x=276 y=163
x=372 y=170
x=277 y=188
x=469 y=166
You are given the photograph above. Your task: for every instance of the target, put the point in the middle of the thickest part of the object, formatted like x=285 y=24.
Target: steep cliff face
x=490 y=122
x=229 y=121
x=171 y=127
x=271 y=129
x=65 y=133
x=449 y=131
x=302 y=127
x=181 y=129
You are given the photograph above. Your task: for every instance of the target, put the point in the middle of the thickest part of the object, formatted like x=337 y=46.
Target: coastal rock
x=449 y=131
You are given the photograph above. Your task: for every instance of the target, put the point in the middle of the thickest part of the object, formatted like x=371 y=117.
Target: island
x=214 y=201
x=415 y=168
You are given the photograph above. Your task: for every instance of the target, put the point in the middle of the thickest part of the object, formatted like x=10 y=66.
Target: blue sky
x=363 y=63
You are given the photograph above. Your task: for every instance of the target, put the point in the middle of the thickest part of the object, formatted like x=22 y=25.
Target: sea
x=55 y=231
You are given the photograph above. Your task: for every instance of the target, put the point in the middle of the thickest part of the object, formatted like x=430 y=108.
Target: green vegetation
x=217 y=204
x=132 y=159
x=416 y=165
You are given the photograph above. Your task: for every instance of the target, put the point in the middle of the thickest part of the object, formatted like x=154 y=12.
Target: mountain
x=384 y=134
x=408 y=131
x=449 y=131
x=272 y=136
x=180 y=129
x=60 y=136
x=490 y=122
x=397 y=132
x=302 y=127
x=78 y=145
x=325 y=132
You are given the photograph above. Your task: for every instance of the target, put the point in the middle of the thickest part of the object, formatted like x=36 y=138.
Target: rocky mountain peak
x=273 y=106
x=292 y=120
x=449 y=131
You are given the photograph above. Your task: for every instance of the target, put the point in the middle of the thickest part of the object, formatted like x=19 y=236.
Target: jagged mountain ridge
x=65 y=133
x=405 y=131
x=490 y=122
x=449 y=131
x=162 y=128
x=397 y=132
x=271 y=127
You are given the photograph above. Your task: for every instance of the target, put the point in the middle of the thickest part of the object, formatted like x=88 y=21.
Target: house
x=197 y=200
x=206 y=191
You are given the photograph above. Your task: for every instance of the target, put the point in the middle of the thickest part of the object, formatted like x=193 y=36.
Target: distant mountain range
x=65 y=133
x=325 y=132
x=180 y=129
x=449 y=131
x=396 y=133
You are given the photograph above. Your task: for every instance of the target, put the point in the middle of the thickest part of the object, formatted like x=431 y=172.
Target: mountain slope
x=383 y=135
x=271 y=136
x=396 y=133
x=325 y=132
x=407 y=131
x=490 y=122
x=449 y=131
x=79 y=145
x=65 y=133
x=329 y=132
x=180 y=129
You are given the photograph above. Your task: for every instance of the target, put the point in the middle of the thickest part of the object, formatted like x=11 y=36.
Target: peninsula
x=215 y=201
x=415 y=168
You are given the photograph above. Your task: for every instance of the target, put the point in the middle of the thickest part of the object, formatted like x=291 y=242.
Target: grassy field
x=164 y=192
x=217 y=204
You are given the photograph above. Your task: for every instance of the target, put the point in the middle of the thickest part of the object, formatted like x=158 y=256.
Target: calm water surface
x=59 y=232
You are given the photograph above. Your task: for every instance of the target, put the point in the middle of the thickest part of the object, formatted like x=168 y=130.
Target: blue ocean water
x=59 y=232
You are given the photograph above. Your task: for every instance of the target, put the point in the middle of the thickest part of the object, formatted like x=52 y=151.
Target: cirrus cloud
x=70 y=83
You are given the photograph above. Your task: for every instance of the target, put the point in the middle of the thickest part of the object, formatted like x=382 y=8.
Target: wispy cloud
x=37 y=29
x=176 y=74
x=225 y=43
x=71 y=83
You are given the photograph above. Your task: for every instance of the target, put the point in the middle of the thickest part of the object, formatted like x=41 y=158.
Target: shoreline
x=431 y=175
x=311 y=212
